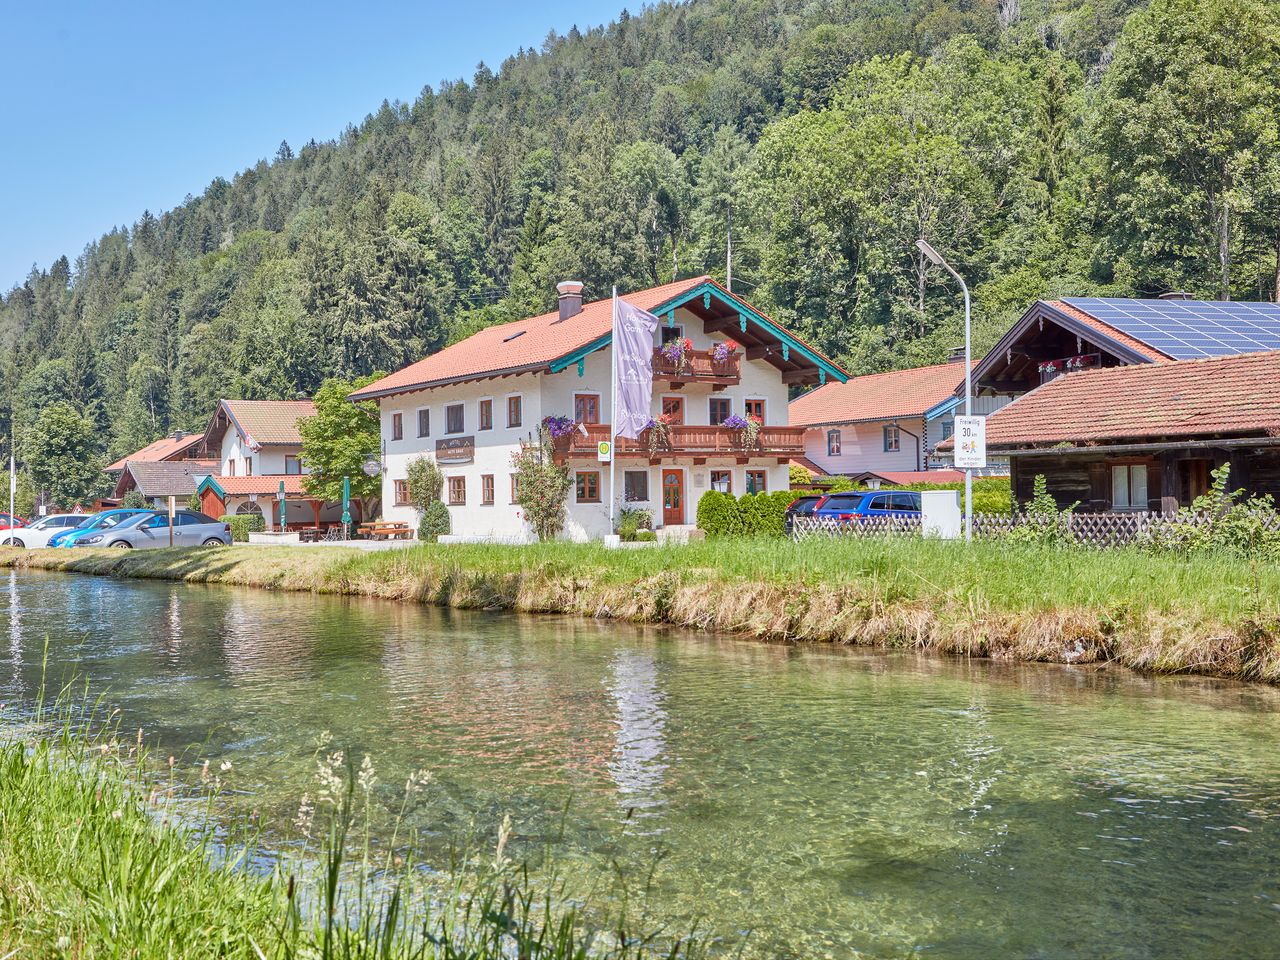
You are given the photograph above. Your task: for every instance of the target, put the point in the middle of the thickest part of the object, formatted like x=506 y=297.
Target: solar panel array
x=1186 y=329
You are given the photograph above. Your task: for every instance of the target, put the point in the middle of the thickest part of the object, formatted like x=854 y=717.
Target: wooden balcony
x=685 y=442
x=698 y=366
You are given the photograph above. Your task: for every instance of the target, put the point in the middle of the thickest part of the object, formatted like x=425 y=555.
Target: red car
x=8 y=523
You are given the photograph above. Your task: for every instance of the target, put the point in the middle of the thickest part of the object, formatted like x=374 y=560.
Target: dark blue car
x=855 y=506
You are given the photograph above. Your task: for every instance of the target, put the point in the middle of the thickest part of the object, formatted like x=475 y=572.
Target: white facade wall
x=493 y=450
x=234 y=453
x=554 y=395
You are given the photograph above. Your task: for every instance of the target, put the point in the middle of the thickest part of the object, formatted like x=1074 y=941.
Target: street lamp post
x=936 y=259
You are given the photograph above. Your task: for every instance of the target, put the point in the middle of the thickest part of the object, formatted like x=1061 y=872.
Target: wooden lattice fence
x=1086 y=529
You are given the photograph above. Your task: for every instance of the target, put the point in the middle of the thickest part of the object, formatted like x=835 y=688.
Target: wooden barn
x=1056 y=337
x=1145 y=437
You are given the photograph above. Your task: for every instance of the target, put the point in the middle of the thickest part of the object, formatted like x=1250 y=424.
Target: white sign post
x=971 y=443
x=971 y=454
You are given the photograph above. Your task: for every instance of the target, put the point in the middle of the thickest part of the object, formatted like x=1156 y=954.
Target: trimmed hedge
x=242 y=524
x=751 y=515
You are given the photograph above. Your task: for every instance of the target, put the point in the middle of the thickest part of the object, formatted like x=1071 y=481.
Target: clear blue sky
x=112 y=109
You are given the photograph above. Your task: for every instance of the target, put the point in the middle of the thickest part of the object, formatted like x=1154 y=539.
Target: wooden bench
x=388 y=531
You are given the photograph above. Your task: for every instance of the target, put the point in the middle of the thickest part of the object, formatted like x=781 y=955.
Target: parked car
x=855 y=506
x=802 y=507
x=40 y=532
x=9 y=523
x=150 y=530
x=98 y=521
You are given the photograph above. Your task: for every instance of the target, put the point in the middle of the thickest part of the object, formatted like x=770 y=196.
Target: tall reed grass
x=105 y=852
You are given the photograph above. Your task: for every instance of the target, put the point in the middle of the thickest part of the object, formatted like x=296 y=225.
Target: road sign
x=971 y=442
x=604 y=451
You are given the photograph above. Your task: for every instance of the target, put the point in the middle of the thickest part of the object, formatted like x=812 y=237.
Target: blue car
x=855 y=506
x=99 y=521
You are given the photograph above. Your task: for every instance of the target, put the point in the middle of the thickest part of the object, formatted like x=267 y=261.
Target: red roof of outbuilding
x=877 y=396
x=158 y=450
x=1182 y=398
x=519 y=346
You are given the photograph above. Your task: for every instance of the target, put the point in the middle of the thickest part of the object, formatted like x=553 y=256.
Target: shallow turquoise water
x=818 y=802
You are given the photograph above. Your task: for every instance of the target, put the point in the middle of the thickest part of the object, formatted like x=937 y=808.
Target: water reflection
x=638 y=766
x=835 y=802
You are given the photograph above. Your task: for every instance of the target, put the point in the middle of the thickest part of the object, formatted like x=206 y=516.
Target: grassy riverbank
x=1211 y=615
x=102 y=855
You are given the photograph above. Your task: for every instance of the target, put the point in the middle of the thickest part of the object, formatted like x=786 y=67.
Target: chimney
x=570 y=292
x=1175 y=295
x=956 y=355
x=178 y=434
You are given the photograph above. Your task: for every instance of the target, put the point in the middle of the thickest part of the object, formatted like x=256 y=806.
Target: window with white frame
x=453 y=418
x=635 y=486
x=833 y=443
x=892 y=438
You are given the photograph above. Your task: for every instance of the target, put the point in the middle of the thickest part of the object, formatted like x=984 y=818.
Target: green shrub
x=645 y=536
x=631 y=520
x=242 y=524
x=751 y=515
x=435 y=522
x=1042 y=522
x=1220 y=521
x=799 y=476
x=718 y=514
x=134 y=500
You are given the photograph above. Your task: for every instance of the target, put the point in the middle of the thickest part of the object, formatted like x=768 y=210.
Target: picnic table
x=387 y=531
x=309 y=534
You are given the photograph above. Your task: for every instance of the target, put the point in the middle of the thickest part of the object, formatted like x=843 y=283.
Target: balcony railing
x=684 y=441
x=698 y=366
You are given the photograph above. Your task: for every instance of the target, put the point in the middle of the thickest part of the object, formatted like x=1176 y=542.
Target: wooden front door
x=672 y=497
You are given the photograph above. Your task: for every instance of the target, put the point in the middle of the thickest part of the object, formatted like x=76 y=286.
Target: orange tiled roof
x=158 y=450
x=522 y=345
x=270 y=421
x=877 y=396
x=1181 y=398
x=261 y=484
x=1133 y=343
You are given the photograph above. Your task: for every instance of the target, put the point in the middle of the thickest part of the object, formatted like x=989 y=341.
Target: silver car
x=147 y=530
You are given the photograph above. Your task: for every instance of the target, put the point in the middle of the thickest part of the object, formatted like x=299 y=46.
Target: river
x=818 y=801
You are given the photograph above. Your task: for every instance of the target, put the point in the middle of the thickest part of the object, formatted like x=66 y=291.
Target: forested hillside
x=1047 y=146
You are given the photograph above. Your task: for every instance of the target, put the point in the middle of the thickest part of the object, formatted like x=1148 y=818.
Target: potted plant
x=748 y=430
x=657 y=434
x=676 y=352
x=559 y=429
x=722 y=351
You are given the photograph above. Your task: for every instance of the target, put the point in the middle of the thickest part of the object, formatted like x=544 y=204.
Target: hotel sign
x=456 y=450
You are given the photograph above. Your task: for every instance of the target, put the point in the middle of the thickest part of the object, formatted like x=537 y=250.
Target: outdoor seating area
x=385 y=531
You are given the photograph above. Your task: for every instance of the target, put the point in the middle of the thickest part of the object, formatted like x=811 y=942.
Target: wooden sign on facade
x=456 y=450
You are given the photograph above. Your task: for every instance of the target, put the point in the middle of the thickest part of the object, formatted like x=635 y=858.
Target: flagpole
x=613 y=401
